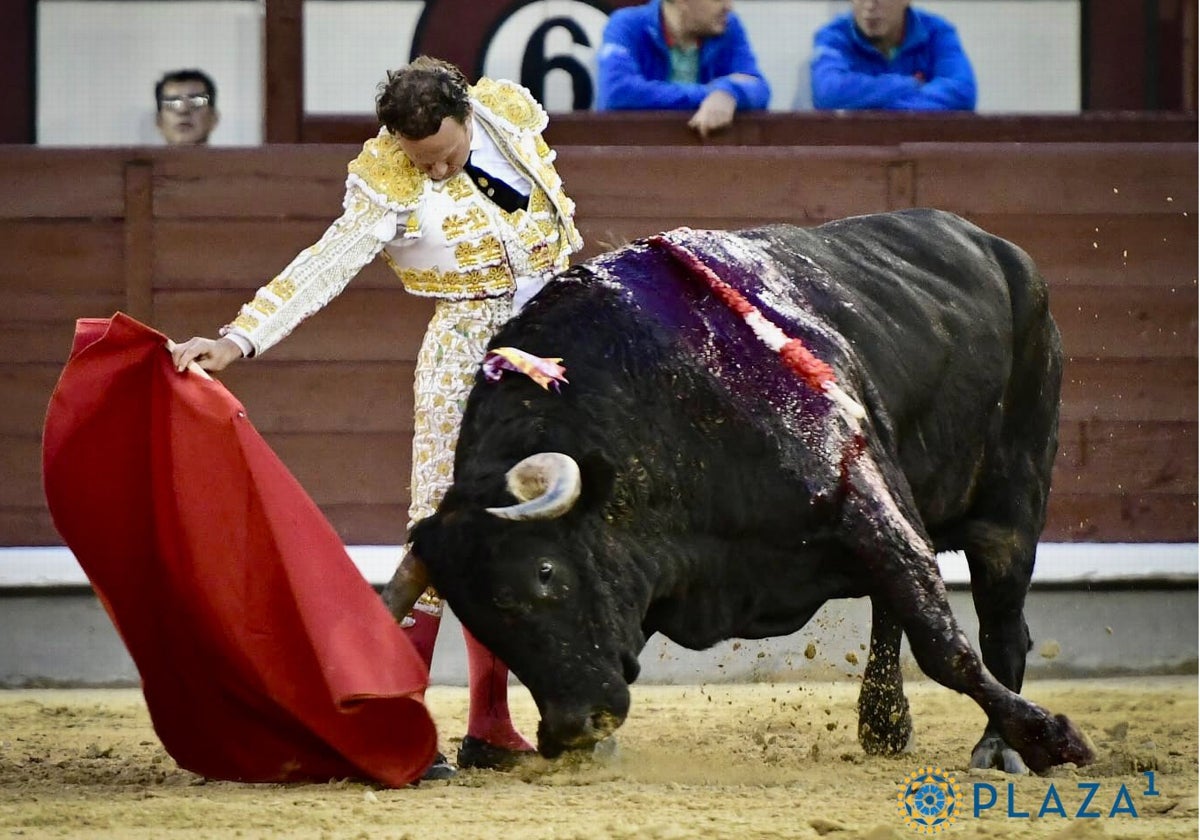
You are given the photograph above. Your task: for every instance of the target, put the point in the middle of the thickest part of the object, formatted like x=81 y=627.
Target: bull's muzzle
x=564 y=730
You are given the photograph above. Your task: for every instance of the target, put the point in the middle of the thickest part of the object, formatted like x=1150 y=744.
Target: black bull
x=712 y=492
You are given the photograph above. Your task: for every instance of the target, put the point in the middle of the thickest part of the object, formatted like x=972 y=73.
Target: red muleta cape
x=264 y=654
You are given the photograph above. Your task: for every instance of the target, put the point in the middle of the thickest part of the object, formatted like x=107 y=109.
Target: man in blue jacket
x=680 y=54
x=883 y=54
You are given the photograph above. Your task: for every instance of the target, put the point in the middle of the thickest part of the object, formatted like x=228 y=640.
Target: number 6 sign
x=548 y=46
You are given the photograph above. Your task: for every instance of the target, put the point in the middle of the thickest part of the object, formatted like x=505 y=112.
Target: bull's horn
x=547 y=484
x=402 y=591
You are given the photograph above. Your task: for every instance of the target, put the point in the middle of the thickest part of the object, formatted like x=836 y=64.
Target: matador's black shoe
x=440 y=770
x=479 y=754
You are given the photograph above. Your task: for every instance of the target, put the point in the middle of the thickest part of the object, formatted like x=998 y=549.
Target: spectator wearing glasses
x=187 y=107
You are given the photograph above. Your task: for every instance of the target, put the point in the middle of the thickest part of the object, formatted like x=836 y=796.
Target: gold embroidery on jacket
x=385 y=168
x=511 y=102
x=460 y=188
x=531 y=236
x=547 y=227
x=455 y=226
x=485 y=252
x=419 y=278
x=484 y=282
x=539 y=203
x=541 y=257
x=282 y=287
x=263 y=305
x=245 y=321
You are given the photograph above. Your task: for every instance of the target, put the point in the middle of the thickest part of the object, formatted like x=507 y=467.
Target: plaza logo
x=931 y=800
x=1082 y=800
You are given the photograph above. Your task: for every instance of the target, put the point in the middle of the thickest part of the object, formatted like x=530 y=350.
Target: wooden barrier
x=180 y=237
x=819 y=128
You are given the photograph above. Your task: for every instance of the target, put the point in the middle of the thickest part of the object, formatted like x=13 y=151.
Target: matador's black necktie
x=505 y=197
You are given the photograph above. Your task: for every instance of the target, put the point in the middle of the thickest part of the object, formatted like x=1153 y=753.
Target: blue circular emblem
x=929 y=800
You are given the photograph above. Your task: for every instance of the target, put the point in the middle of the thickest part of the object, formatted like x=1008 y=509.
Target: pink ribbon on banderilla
x=546 y=372
x=795 y=355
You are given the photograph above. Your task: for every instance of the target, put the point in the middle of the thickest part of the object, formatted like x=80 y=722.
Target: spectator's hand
x=743 y=78
x=714 y=113
x=205 y=352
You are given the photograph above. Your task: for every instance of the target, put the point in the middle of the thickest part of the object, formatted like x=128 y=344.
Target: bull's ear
x=424 y=537
x=598 y=476
x=435 y=537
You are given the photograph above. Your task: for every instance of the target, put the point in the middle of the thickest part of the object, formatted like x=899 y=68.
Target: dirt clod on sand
x=716 y=761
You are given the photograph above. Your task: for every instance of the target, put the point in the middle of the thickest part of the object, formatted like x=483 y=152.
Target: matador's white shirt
x=443 y=239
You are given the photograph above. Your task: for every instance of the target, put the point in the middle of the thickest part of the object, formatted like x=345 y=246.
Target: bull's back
x=911 y=290
x=951 y=331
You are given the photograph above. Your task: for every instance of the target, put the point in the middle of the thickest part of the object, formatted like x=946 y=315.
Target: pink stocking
x=423 y=634
x=488 y=718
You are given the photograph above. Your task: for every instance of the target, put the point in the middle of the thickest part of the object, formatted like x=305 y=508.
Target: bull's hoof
x=885 y=729
x=993 y=753
x=886 y=743
x=1053 y=740
x=606 y=749
x=480 y=755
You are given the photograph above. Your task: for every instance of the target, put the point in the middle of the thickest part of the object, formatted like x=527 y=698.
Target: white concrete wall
x=98 y=59
x=1078 y=564
x=61 y=638
x=1143 y=620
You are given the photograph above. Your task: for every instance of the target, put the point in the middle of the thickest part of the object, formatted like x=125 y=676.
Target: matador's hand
x=208 y=353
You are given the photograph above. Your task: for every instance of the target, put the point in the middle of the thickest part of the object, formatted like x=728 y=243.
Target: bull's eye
x=545 y=572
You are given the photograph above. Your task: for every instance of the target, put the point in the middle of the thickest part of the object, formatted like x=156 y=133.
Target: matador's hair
x=414 y=100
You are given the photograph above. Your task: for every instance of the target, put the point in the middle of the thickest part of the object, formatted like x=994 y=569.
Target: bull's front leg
x=903 y=569
x=914 y=588
x=884 y=721
x=1042 y=739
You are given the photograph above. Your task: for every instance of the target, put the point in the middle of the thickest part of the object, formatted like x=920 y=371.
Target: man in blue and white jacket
x=884 y=54
x=677 y=55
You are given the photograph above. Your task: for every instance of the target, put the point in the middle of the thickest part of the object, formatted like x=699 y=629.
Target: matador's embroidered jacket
x=443 y=239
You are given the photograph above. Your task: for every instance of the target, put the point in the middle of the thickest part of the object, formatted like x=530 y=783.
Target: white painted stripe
x=1057 y=563
x=1082 y=562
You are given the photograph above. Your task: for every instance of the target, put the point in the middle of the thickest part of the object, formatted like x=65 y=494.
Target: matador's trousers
x=451 y=352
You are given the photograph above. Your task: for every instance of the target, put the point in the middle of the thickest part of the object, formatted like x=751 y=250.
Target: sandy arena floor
x=718 y=761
